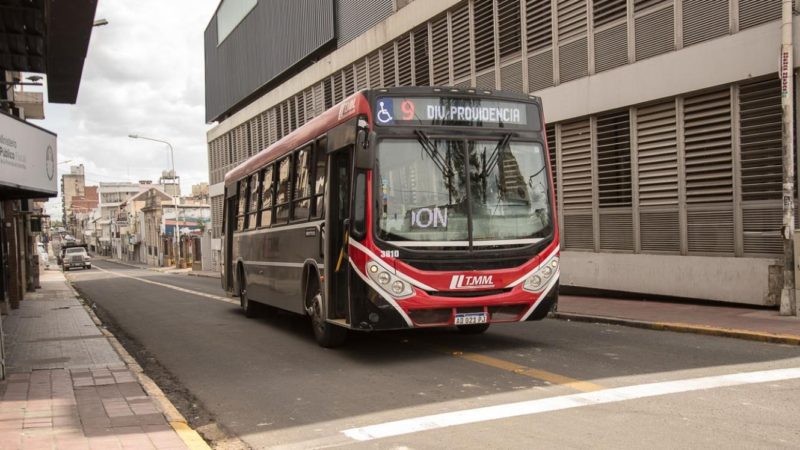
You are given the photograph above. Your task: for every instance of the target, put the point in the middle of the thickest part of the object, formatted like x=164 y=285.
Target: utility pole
x=788 y=300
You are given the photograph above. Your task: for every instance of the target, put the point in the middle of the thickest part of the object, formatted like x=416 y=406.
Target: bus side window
x=241 y=210
x=282 y=194
x=252 y=220
x=320 y=163
x=267 y=193
x=301 y=193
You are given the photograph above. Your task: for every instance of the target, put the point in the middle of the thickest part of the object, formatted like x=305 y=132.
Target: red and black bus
x=399 y=208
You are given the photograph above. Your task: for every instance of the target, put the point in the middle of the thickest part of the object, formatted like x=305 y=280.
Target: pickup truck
x=76 y=257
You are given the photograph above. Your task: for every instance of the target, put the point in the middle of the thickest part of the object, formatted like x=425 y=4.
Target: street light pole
x=175 y=197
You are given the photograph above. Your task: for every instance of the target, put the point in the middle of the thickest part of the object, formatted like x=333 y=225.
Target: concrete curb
x=685 y=328
x=189 y=436
x=203 y=275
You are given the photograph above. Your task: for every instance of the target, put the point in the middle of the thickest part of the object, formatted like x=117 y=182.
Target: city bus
x=399 y=208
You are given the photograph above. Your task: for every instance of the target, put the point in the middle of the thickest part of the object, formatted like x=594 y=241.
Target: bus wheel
x=473 y=329
x=249 y=308
x=326 y=334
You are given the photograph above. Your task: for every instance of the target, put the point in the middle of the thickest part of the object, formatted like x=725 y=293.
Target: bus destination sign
x=455 y=112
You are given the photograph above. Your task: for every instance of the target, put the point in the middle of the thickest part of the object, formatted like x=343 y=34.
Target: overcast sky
x=143 y=74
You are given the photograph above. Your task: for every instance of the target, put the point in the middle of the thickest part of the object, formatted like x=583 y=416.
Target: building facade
x=664 y=118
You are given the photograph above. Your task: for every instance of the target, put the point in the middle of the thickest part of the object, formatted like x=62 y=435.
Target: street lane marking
x=550 y=377
x=436 y=421
x=169 y=286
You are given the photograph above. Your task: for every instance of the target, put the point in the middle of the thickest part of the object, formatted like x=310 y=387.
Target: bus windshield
x=432 y=191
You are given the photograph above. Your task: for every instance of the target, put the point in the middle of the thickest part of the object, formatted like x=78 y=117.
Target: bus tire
x=249 y=308
x=473 y=329
x=327 y=334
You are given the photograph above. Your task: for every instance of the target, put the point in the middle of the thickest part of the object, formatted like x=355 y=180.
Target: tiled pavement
x=67 y=388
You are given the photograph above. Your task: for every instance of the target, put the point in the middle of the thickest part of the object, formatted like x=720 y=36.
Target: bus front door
x=230 y=224
x=337 y=223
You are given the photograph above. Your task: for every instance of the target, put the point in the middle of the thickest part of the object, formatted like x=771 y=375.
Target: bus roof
x=349 y=108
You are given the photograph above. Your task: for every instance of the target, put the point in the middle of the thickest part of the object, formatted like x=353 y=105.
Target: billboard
x=28 y=156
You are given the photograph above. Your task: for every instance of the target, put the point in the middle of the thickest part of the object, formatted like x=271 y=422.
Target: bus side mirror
x=365 y=149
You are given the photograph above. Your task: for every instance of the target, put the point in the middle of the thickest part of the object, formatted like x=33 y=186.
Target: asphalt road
x=266 y=381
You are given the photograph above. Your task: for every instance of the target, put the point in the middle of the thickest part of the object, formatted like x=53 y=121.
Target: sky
x=143 y=75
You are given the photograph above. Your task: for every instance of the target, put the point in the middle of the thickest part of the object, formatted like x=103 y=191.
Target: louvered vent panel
x=404 y=61
x=659 y=231
x=607 y=11
x=709 y=156
x=761 y=133
x=389 y=72
x=639 y=5
x=349 y=82
x=551 y=149
x=441 y=61
x=578 y=232
x=308 y=103
x=240 y=146
x=657 y=156
x=509 y=28
x=611 y=47
x=574 y=60
x=540 y=71
x=361 y=74
x=374 y=70
x=301 y=109
x=538 y=25
x=704 y=20
x=463 y=85
x=710 y=231
x=291 y=110
x=254 y=136
x=461 y=42
x=484 y=34
x=422 y=69
x=616 y=231
x=655 y=33
x=272 y=125
x=327 y=86
x=756 y=12
x=614 y=159
x=216 y=216
x=263 y=127
x=511 y=77
x=338 y=87
x=762 y=229
x=485 y=81
x=571 y=18
x=576 y=165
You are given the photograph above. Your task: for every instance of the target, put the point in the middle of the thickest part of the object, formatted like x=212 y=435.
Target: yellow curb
x=190 y=437
x=708 y=330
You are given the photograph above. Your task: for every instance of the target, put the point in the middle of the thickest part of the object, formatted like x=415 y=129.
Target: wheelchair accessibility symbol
x=384 y=115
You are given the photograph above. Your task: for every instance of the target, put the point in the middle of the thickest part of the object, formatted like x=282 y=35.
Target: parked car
x=76 y=257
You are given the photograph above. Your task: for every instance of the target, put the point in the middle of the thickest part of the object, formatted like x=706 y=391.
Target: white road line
x=169 y=286
x=425 y=423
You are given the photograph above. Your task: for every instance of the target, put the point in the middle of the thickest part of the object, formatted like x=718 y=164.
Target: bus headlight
x=388 y=282
x=539 y=279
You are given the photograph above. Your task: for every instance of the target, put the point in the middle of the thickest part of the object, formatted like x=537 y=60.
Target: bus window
x=320 y=162
x=360 y=206
x=301 y=194
x=252 y=220
x=266 y=197
x=282 y=194
x=240 y=212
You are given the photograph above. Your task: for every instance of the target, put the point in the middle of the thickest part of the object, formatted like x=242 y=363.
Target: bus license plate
x=471 y=318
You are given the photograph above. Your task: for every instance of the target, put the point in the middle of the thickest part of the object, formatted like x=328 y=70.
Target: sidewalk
x=69 y=388
x=719 y=320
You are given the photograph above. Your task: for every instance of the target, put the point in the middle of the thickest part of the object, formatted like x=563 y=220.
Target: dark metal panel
x=272 y=39
x=354 y=17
